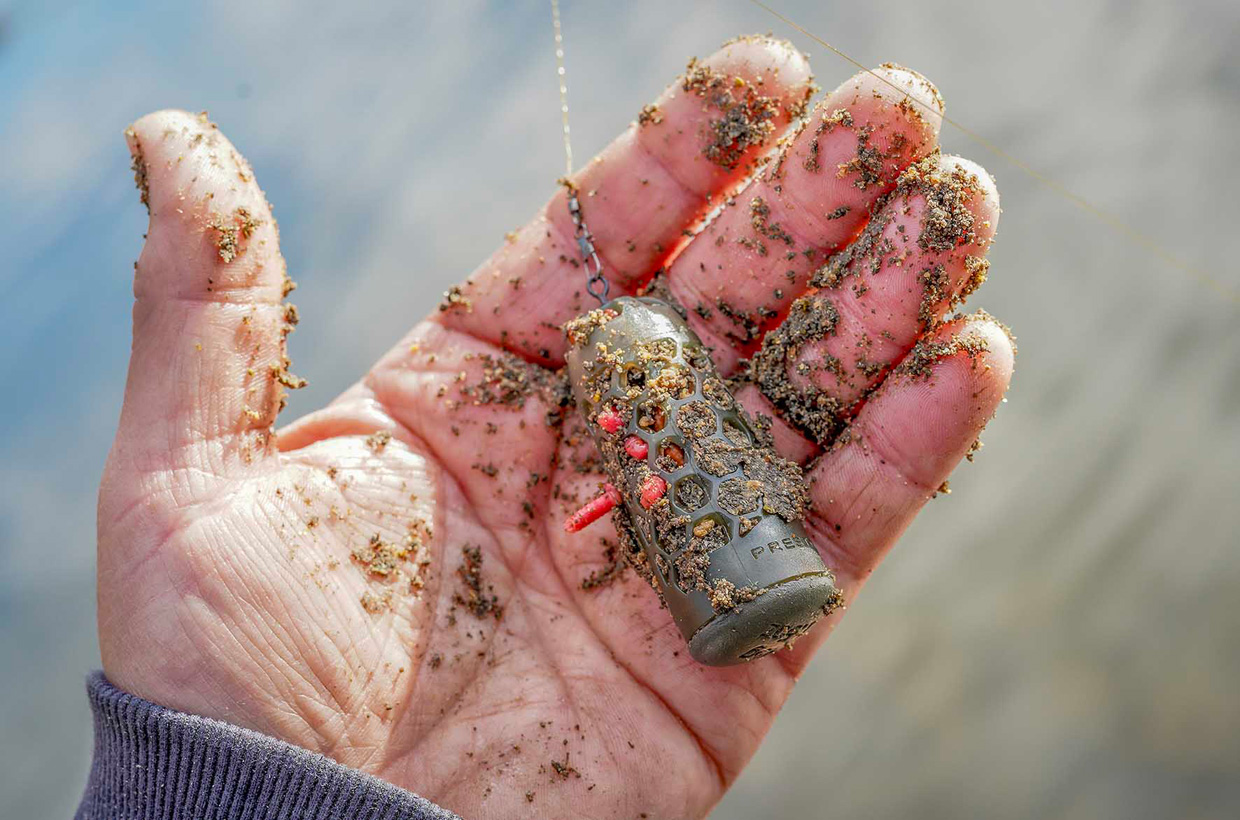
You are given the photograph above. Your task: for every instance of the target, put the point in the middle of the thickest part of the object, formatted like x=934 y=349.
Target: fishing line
x=597 y=284
x=1109 y=219
x=559 y=70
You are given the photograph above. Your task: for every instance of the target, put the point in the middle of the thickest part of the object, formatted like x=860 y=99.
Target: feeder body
x=735 y=568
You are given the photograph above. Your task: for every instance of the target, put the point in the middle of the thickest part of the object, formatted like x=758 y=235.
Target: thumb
x=207 y=373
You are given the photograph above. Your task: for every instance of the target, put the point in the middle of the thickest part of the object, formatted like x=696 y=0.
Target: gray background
x=1060 y=637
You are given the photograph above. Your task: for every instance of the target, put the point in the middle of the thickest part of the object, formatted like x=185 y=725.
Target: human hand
x=387 y=581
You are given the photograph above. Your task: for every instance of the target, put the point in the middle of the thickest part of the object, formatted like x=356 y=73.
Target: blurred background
x=1059 y=637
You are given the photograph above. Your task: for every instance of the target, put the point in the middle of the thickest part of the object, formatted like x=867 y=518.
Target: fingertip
x=917 y=99
x=978 y=344
x=186 y=155
x=987 y=207
x=140 y=139
x=211 y=228
x=959 y=375
x=909 y=437
x=711 y=126
x=985 y=182
x=913 y=83
x=145 y=136
x=996 y=362
x=930 y=410
x=759 y=56
x=154 y=122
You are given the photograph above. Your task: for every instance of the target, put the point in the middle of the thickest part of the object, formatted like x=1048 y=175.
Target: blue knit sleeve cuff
x=157 y=764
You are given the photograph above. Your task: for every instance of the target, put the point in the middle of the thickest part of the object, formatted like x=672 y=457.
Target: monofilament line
x=596 y=280
x=1106 y=217
x=559 y=68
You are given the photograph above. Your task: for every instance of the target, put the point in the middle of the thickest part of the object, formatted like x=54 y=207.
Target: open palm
x=387 y=580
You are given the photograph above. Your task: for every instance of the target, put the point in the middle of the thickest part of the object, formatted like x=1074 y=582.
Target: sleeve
x=157 y=764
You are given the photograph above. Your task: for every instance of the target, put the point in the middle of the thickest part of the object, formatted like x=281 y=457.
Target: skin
x=225 y=583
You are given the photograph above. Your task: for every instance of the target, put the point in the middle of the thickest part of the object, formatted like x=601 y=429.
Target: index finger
x=640 y=195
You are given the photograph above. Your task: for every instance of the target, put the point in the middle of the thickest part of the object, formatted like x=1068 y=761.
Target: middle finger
x=739 y=276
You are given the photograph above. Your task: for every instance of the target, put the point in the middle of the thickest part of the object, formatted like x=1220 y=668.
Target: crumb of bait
x=740 y=496
x=376 y=442
x=696 y=420
x=718 y=458
x=669 y=529
x=140 y=178
x=386 y=561
x=376 y=603
x=564 y=770
x=759 y=219
x=232 y=231
x=746 y=117
x=866 y=164
x=380 y=558
x=869 y=245
x=767 y=482
x=509 y=381
x=691 y=495
x=578 y=330
x=281 y=374
x=748 y=325
x=760 y=424
x=840 y=117
x=947 y=221
x=649 y=115
x=715 y=391
x=976 y=269
x=693 y=562
x=811 y=163
x=725 y=596
x=796 y=108
x=919 y=362
x=935 y=289
x=810 y=318
x=868 y=368
x=480 y=602
x=614 y=566
x=673 y=382
x=755 y=245
x=455 y=299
